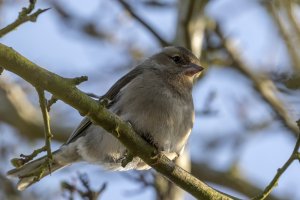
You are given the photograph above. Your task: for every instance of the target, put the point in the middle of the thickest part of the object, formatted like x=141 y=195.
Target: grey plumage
x=155 y=97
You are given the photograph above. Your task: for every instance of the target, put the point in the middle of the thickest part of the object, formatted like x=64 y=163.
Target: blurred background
x=247 y=101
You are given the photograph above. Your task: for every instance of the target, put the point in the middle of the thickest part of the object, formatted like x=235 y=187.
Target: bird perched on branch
x=155 y=98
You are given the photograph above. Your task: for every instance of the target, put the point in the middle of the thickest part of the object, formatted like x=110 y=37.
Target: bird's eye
x=176 y=59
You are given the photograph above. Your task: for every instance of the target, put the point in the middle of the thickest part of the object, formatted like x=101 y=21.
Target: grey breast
x=155 y=111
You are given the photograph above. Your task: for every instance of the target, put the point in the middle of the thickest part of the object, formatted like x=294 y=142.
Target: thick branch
x=191 y=25
x=63 y=90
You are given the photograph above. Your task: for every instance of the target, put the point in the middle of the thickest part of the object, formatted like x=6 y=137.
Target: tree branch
x=48 y=135
x=17 y=162
x=186 y=23
x=226 y=179
x=294 y=156
x=39 y=77
x=87 y=193
x=23 y=17
x=286 y=34
x=87 y=27
x=263 y=86
x=191 y=25
x=17 y=111
x=127 y=7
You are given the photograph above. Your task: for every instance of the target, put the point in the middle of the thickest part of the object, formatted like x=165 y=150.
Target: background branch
x=229 y=179
x=17 y=111
x=87 y=193
x=127 y=7
x=265 y=87
x=288 y=35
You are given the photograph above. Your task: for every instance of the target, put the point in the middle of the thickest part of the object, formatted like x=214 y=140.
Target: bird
x=155 y=97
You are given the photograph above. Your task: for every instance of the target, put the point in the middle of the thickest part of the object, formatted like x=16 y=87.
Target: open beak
x=193 y=69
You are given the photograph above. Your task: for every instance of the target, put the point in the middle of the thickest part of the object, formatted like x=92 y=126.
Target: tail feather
x=27 y=173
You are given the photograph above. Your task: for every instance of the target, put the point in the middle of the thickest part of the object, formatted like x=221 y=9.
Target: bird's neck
x=180 y=85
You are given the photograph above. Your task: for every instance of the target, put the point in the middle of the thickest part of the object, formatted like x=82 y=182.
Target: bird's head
x=178 y=63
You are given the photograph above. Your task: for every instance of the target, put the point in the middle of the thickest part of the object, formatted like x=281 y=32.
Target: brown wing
x=114 y=90
x=110 y=94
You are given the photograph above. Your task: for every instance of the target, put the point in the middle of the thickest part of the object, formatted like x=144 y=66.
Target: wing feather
x=110 y=95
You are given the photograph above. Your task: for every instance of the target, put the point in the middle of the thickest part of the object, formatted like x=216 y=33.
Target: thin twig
x=229 y=179
x=127 y=7
x=18 y=162
x=280 y=171
x=89 y=28
x=46 y=118
x=23 y=17
x=50 y=102
x=77 y=80
x=17 y=111
x=40 y=171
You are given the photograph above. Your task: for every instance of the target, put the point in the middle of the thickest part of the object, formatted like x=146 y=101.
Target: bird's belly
x=167 y=130
x=163 y=118
x=168 y=134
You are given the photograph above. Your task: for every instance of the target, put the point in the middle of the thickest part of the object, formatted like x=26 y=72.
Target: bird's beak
x=193 y=69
